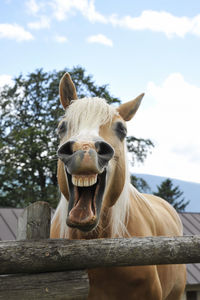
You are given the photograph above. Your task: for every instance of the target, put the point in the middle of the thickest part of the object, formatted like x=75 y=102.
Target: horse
x=98 y=201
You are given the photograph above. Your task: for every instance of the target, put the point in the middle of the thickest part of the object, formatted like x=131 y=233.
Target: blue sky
x=134 y=46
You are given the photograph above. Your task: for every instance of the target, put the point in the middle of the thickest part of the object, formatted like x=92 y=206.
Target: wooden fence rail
x=42 y=256
x=70 y=285
x=58 y=255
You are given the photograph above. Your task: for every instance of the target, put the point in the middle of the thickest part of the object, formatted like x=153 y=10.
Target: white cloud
x=100 y=39
x=33 y=7
x=61 y=39
x=64 y=8
x=44 y=22
x=173 y=124
x=15 y=32
x=159 y=21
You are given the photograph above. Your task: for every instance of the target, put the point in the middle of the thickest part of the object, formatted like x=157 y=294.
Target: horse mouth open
x=85 y=200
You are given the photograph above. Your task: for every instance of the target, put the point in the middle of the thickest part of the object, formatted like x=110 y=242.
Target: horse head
x=92 y=164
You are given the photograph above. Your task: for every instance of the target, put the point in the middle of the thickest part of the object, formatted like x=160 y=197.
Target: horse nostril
x=104 y=150
x=66 y=149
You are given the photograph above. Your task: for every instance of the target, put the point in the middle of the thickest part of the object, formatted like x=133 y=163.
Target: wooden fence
x=36 y=267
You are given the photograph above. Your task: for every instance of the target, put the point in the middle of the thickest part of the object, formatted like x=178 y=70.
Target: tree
x=139 y=148
x=171 y=194
x=29 y=113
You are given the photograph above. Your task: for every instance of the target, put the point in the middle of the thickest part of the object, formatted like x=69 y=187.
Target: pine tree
x=171 y=194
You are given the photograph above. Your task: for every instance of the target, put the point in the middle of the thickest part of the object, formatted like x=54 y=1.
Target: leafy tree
x=172 y=195
x=29 y=112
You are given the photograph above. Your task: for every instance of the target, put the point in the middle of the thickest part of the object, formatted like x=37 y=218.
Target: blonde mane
x=120 y=211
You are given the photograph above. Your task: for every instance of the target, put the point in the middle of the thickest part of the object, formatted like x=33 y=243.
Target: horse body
x=98 y=200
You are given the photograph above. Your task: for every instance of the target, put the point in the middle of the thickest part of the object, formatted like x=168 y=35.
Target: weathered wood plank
x=46 y=286
x=34 y=223
x=60 y=254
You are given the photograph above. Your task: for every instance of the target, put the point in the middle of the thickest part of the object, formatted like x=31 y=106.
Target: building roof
x=8 y=223
x=191 y=223
x=191 y=226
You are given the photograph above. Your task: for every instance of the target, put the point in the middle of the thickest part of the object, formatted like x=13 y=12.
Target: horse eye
x=121 y=130
x=62 y=128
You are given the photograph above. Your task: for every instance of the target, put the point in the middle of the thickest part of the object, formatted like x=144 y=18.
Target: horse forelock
x=88 y=113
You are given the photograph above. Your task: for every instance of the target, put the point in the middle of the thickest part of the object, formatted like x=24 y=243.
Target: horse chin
x=85 y=200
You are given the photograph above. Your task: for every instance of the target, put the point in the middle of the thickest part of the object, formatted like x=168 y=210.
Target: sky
x=146 y=46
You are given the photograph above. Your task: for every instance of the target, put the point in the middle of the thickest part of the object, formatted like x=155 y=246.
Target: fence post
x=34 y=223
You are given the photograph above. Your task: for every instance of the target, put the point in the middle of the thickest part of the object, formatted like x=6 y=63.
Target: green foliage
x=172 y=195
x=29 y=113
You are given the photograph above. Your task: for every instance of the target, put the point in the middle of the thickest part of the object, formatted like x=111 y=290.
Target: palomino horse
x=98 y=200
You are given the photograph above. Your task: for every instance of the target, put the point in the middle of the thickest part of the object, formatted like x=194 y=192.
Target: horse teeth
x=80 y=182
x=93 y=180
x=74 y=180
x=84 y=180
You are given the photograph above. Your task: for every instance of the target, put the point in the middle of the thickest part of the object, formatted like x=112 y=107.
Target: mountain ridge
x=191 y=190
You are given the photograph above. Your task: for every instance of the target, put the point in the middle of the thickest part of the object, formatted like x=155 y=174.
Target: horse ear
x=127 y=110
x=67 y=90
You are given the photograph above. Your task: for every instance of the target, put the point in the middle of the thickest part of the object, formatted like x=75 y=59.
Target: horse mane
x=120 y=210
x=61 y=214
x=87 y=113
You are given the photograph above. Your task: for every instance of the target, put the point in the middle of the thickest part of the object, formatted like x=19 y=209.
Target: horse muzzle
x=86 y=168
